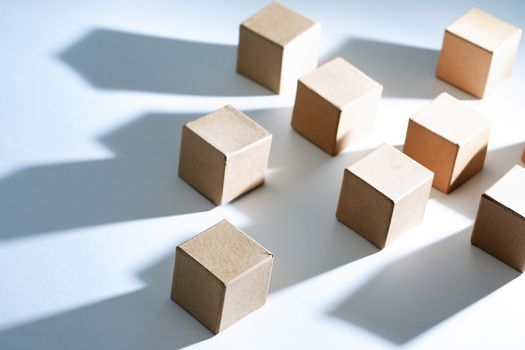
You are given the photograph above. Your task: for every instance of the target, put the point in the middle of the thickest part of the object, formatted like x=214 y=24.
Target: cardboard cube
x=499 y=228
x=477 y=53
x=383 y=195
x=335 y=103
x=277 y=46
x=221 y=275
x=450 y=139
x=224 y=154
x=523 y=157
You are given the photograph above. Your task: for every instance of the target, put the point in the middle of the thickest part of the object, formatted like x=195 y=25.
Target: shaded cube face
x=221 y=275
x=478 y=52
x=334 y=104
x=464 y=64
x=499 y=228
x=449 y=139
x=277 y=46
x=383 y=195
x=224 y=154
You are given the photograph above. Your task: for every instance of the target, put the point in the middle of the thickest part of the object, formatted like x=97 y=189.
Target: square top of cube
x=451 y=119
x=482 y=29
x=225 y=251
x=278 y=24
x=228 y=129
x=391 y=172
x=339 y=82
x=509 y=191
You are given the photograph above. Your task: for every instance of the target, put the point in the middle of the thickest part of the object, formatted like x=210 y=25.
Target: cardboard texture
x=450 y=139
x=478 y=52
x=523 y=157
x=224 y=154
x=221 y=275
x=383 y=195
x=335 y=103
x=277 y=46
x=499 y=228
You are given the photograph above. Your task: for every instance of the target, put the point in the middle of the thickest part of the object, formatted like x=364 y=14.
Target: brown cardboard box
x=477 y=53
x=224 y=154
x=221 y=275
x=523 y=157
x=500 y=223
x=450 y=139
x=335 y=103
x=383 y=195
x=277 y=46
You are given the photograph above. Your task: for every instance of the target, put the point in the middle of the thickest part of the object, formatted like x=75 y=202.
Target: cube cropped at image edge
x=277 y=46
x=224 y=154
x=499 y=228
x=383 y=195
x=221 y=275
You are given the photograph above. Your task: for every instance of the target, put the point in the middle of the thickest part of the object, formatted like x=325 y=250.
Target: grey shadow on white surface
x=139 y=182
x=415 y=293
x=142 y=319
x=118 y=60
x=293 y=214
x=404 y=71
x=465 y=199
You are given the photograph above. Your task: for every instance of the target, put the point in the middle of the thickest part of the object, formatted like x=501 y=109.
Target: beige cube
x=277 y=46
x=477 y=53
x=334 y=104
x=224 y=154
x=221 y=275
x=450 y=139
x=383 y=195
x=500 y=223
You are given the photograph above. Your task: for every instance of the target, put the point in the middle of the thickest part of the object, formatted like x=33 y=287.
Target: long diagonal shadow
x=143 y=319
x=405 y=71
x=417 y=292
x=139 y=182
x=116 y=60
x=293 y=215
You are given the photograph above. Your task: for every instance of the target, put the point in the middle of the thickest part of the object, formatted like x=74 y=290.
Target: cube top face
x=228 y=130
x=225 y=251
x=509 y=191
x=447 y=117
x=483 y=30
x=339 y=82
x=278 y=24
x=391 y=172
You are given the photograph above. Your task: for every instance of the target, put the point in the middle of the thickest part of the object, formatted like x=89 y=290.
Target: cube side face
x=315 y=118
x=299 y=57
x=201 y=165
x=246 y=170
x=502 y=62
x=433 y=152
x=364 y=209
x=464 y=65
x=358 y=118
x=523 y=157
x=259 y=59
x=500 y=232
x=246 y=294
x=197 y=291
x=409 y=211
x=470 y=159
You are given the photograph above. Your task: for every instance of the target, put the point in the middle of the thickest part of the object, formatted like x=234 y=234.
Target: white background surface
x=92 y=98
